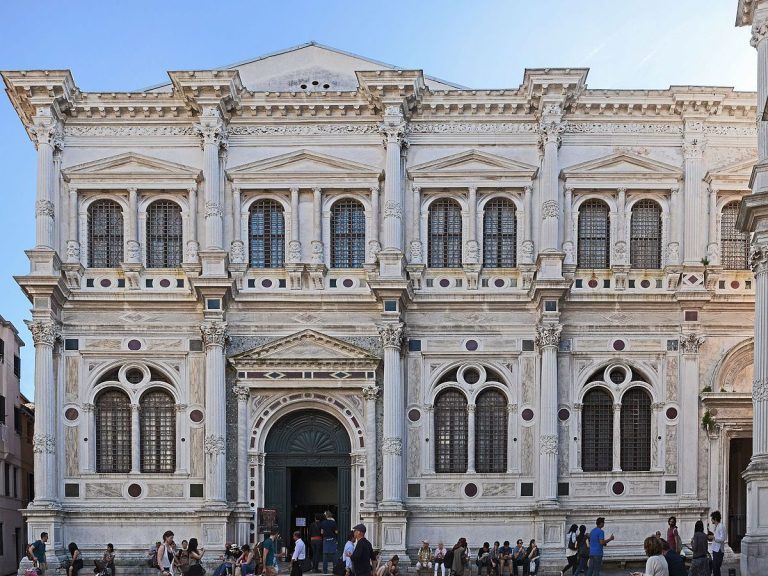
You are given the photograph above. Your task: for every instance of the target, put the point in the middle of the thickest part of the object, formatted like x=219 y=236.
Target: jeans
x=595 y=564
x=717 y=562
x=582 y=569
x=328 y=557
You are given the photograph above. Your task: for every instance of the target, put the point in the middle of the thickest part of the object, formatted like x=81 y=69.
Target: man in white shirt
x=718 y=541
x=299 y=553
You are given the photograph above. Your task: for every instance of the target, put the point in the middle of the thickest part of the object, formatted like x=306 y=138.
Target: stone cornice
x=383 y=88
x=745 y=12
x=208 y=88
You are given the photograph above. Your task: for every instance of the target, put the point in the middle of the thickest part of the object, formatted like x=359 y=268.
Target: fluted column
x=193 y=242
x=47 y=134
x=759 y=42
x=243 y=393
x=616 y=436
x=214 y=336
x=391 y=335
x=527 y=246
x=689 y=413
x=619 y=249
x=370 y=393
x=374 y=245
x=135 y=439
x=550 y=129
x=470 y=438
x=132 y=246
x=73 y=242
x=568 y=248
x=511 y=415
x=675 y=234
x=548 y=340
x=294 y=245
x=713 y=247
x=472 y=248
x=212 y=131
x=695 y=200
x=44 y=334
x=237 y=249
x=393 y=130
x=317 y=226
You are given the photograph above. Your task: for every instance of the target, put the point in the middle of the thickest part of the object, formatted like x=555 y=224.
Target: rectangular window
x=2 y=537
x=17 y=419
x=31 y=484
x=7 y=479
x=2 y=352
x=17 y=366
x=2 y=409
x=15 y=482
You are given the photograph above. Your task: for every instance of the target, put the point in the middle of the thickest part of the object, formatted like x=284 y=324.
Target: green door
x=307 y=469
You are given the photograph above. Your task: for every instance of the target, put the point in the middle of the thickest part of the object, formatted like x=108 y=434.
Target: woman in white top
x=656 y=565
x=571 y=550
x=349 y=547
x=165 y=553
x=439 y=557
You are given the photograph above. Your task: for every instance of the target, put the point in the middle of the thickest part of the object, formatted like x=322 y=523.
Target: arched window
x=451 y=432
x=500 y=234
x=444 y=234
x=635 y=430
x=347 y=234
x=158 y=432
x=491 y=431
x=266 y=234
x=645 y=235
x=113 y=432
x=594 y=235
x=164 y=235
x=597 y=431
x=734 y=244
x=105 y=234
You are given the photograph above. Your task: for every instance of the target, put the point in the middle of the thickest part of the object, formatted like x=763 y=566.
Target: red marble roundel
x=196 y=416
x=134 y=490
x=470 y=490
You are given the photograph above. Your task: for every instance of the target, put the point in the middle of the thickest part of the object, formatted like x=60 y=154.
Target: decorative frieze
x=128 y=131
x=473 y=128
x=304 y=129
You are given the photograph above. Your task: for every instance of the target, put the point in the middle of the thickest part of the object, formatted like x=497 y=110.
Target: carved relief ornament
x=44 y=331
x=214 y=333
x=214 y=445
x=758 y=259
x=691 y=342
x=43 y=443
x=211 y=129
x=548 y=335
x=242 y=393
x=45 y=208
x=760 y=389
x=371 y=392
x=391 y=334
x=759 y=32
x=550 y=209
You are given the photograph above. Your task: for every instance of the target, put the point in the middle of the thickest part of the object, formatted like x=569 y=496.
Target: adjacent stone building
x=313 y=280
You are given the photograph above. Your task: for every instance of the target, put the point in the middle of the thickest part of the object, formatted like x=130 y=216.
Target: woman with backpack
x=571 y=550
x=582 y=550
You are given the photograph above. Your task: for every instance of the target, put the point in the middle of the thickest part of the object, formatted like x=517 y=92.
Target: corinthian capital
x=694 y=148
x=393 y=128
x=758 y=259
x=391 y=334
x=548 y=335
x=211 y=128
x=242 y=393
x=691 y=342
x=46 y=129
x=371 y=392
x=759 y=32
x=44 y=331
x=214 y=333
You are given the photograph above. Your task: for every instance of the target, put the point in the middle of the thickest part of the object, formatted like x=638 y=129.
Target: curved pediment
x=473 y=167
x=132 y=169
x=622 y=170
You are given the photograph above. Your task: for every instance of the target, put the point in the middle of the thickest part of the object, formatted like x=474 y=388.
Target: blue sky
x=121 y=45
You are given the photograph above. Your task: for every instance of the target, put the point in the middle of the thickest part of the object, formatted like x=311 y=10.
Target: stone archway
x=307 y=469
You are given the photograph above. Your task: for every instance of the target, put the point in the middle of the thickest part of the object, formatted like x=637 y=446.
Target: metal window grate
x=158 y=432
x=105 y=234
x=635 y=430
x=266 y=234
x=500 y=234
x=113 y=432
x=597 y=432
x=734 y=244
x=594 y=235
x=444 y=234
x=164 y=235
x=491 y=432
x=645 y=235
x=347 y=234
x=451 y=432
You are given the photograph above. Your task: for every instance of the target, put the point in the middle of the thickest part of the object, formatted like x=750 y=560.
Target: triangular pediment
x=132 y=164
x=304 y=346
x=741 y=170
x=622 y=163
x=472 y=161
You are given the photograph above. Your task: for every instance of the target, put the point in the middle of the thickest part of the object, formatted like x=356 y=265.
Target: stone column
x=237 y=250
x=689 y=414
x=568 y=248
x=673 y=250
x=548 y=340
x=616 y=437
x=470 y=438
x=46 y=132
x=44 y=334
x=527 y=246
x=713 y=248
x=695 y=203
x=370 y=393
x=416 y=248
x=391 y=335
x=374 y=246
x=73 y=242
x=243 y=393
x=135 y=439
x=393 y=130
x=758 y=41
x=193 y=242
x=132 y=246
x=511 y=415
x=471 y=246
x=212 y=131
x=550 y=129
x=429 y=466
x=182 y=461
x=317 y=226
x=619 y=250
x=214 y=336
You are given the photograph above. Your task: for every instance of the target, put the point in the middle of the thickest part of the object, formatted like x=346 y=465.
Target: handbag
x=305 y=564
x=532 y=567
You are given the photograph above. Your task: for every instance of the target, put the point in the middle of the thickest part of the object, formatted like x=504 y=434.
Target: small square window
x=563 y=488
x=459 y=282
x=251 y=283
x=528 y=346
x=195 y=490
x=670 y=487
x=659 y=283
x=414 y=345
x=721 y=284
x=526 y=489
x=430 y=282
x=195 y=345
x=281 y=283
x=579 y=283
x=179 y=282
x=606 y=283
x=149 y=282
x=672 y=345
x=390 y=305
x=121 y=282
x=213 y=304
x=550 y=305
x=691 y=315
x=484 y=282
x=71 y=344
x=631 y=283
x=332 y=282
x=748 y=284
x=89 y=282
x=414 y=490
x=72 y=490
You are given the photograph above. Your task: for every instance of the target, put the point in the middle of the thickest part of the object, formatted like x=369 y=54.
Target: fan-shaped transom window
x=266 y=234
x=734 y=244
x=645 y=235
x=451 y=431
x=112 y=413
x=164 y=235
x=158 y=432
x=500 y=234
x=347 y=234
x=105 y=234
x=597 y=431
x=636 y=430
x=491 y=431
x=594 y=235
x=445 y=234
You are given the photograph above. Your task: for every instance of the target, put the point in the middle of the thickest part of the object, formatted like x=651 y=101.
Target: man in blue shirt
x=597 y=541
x=37 y=550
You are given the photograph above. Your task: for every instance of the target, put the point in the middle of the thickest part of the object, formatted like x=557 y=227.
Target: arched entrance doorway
x=307 y=470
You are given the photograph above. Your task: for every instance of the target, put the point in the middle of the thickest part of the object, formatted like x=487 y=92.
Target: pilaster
x=694 y=142
x=690 y=343
x=370 y=394
x=547 y=340
x=214 y=337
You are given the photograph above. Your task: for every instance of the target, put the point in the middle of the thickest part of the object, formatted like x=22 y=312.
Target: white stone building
x=314 y=280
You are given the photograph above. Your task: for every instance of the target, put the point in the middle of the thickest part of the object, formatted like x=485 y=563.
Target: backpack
x=571 y=541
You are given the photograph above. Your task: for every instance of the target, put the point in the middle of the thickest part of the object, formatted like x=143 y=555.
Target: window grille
x=597 y=432
x=500 y=234
x=645 y=235
x=734 y=244
x=635 y=430
x=594 y=235
x=113 y=432
x=491 y=432
x=451 y=432
x=347 y=234
x=105 y=234
x=164 y=235
x=444 y=234
x=158 y=432
x=266 y=234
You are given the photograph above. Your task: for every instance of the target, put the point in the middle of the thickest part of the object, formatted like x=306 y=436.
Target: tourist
x=656 y=565
x=505 y=553
x=231 y=555
x=330 y=533
x=718 y=540
x=106 y=566
x=582 y=545
x=166 y=553
x=459 y=553
x=675 y=562
x=699 y=544
x=362 y=555
x=194 y=555
x=495 y=558
x=532 y=559
x=597 y=541
x=484 y=559
x=518 y=557
x=673 y=538
x=346 y=555
x=76 y=564
x=36 y=551
x=269 y=553
x=316 y=542
x=391 y=568
x=152 y=555
x=184 y=545
x=571 y=550
x=439 y=558
x=247 y=561
x=424 y=556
